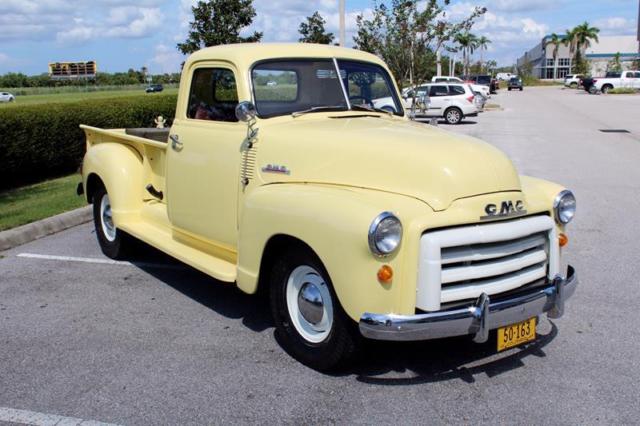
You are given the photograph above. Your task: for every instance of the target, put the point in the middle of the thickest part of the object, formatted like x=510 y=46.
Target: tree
x=468 y=43
x=313 y=30
x=581 y=37
x=615 y=64
x=482 y=44
x=556 y=41
x=406 y=36
x=217 y=22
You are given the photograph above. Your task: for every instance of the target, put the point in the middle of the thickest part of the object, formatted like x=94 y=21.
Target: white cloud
x=166 y=59
x=136 y=23
x=47 y=19
x=616 y=25
x=4 y=59
x=521 y=5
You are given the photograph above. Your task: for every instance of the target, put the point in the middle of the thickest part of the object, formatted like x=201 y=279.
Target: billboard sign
x=72 y=70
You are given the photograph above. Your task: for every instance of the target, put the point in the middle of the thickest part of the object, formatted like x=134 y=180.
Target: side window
x=440 y=80
x=637 y=74
x=439 y=91
x=213 y=95
x=456 y=90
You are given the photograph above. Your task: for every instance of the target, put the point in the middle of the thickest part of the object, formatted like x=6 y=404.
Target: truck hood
x=380 y=153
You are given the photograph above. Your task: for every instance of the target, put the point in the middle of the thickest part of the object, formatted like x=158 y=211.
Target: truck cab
x=279 y=174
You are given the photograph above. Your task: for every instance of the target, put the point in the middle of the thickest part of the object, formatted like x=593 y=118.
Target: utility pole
x=342 y=29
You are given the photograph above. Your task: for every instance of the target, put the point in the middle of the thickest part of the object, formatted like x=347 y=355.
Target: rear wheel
x=112 y=240
x=453 y=115
x=310 y=323
x=606 y=88
x=573 y=85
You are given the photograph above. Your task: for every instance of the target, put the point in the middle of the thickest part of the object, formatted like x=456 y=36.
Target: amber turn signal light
x=385 y=274
x=563 y=239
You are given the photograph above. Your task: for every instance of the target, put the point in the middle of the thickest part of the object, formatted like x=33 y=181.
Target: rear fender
x=119 y=169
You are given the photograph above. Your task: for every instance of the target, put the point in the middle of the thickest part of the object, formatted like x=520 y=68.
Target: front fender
x=334 y=222
x=119 y=167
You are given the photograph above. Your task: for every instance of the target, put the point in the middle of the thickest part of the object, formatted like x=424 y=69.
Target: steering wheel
x=362 y=98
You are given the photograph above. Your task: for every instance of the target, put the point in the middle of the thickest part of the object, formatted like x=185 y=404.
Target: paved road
x=143 y=345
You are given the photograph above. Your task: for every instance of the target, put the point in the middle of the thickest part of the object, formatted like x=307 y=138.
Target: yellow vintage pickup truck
x=279 y=174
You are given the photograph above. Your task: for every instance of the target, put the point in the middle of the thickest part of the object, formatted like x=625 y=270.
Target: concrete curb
x=32 y=231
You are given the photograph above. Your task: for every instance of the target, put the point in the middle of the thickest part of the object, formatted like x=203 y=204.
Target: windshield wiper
x=318 y=109
x=366 y=108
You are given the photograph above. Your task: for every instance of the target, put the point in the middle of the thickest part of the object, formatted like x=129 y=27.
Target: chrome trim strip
x=476 y=319
x=344 y=90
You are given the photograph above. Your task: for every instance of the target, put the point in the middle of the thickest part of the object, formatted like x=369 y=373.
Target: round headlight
x=385 y=234
x=564 y=207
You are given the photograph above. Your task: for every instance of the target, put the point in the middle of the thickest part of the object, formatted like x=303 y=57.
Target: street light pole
x=342 y=30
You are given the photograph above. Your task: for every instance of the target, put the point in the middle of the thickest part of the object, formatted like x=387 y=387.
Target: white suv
x=6 y=97
x=484 y=90
x=573 y=80
x=453 y=102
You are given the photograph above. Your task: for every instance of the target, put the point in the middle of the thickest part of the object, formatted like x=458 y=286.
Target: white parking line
x=42 y=419
x=101 y=261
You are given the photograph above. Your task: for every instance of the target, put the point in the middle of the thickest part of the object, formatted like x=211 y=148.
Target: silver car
x=6 y=97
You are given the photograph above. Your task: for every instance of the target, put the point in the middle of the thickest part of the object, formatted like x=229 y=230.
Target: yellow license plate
x=516 y=334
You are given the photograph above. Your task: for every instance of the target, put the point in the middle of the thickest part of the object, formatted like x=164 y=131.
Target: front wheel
x=310 y=323
x=453 y=116
x=112 y=240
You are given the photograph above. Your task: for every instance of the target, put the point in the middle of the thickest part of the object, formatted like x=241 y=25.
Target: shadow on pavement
x=380 y=363
x=441 y=360
x=224 y=298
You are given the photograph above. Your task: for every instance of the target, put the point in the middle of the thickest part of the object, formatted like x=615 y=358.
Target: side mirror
x=246 y=111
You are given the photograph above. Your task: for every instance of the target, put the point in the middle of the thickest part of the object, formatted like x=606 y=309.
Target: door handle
x=175 y=143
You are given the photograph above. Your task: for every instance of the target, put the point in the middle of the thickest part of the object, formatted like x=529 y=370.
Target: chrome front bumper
x=476 y=319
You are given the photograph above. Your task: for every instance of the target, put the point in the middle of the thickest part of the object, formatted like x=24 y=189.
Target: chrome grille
x=462 y=263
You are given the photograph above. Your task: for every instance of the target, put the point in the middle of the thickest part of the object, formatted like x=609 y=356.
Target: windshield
x=291 y=86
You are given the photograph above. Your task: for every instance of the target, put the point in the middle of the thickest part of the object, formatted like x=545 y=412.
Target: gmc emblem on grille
x=507 y=208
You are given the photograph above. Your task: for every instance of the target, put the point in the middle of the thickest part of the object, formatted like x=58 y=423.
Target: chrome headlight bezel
x=560 y=207
x=383 y=219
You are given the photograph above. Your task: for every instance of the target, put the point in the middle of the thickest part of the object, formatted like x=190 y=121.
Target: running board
x=161 y=238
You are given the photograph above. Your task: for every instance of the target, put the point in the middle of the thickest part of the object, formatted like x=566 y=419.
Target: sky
x=123 y=34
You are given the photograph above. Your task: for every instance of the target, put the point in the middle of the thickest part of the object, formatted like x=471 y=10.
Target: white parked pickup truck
x=630 y=79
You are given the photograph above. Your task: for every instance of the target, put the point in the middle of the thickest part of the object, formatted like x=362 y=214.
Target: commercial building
x=600 y=55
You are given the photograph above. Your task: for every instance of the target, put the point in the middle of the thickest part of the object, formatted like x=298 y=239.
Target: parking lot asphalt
x=155 y=342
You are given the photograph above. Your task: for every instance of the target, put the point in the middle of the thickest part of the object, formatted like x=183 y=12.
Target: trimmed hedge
x=44 y=140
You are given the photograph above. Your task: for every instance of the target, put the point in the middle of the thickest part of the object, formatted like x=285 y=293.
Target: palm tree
x=556 y=41
x=583 y=34
x=482 y=43
x=468 y=43
x=570 y=40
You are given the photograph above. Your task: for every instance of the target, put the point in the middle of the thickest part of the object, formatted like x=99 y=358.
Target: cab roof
x=244 y=55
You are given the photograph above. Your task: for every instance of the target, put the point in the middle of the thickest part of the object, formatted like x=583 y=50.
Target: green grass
x=30 y=203
x=532 y=81
x=79 y=96
x=622 y=91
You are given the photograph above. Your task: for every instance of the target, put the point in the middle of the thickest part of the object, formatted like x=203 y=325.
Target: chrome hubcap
x=108 y=227
x=310 y=303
